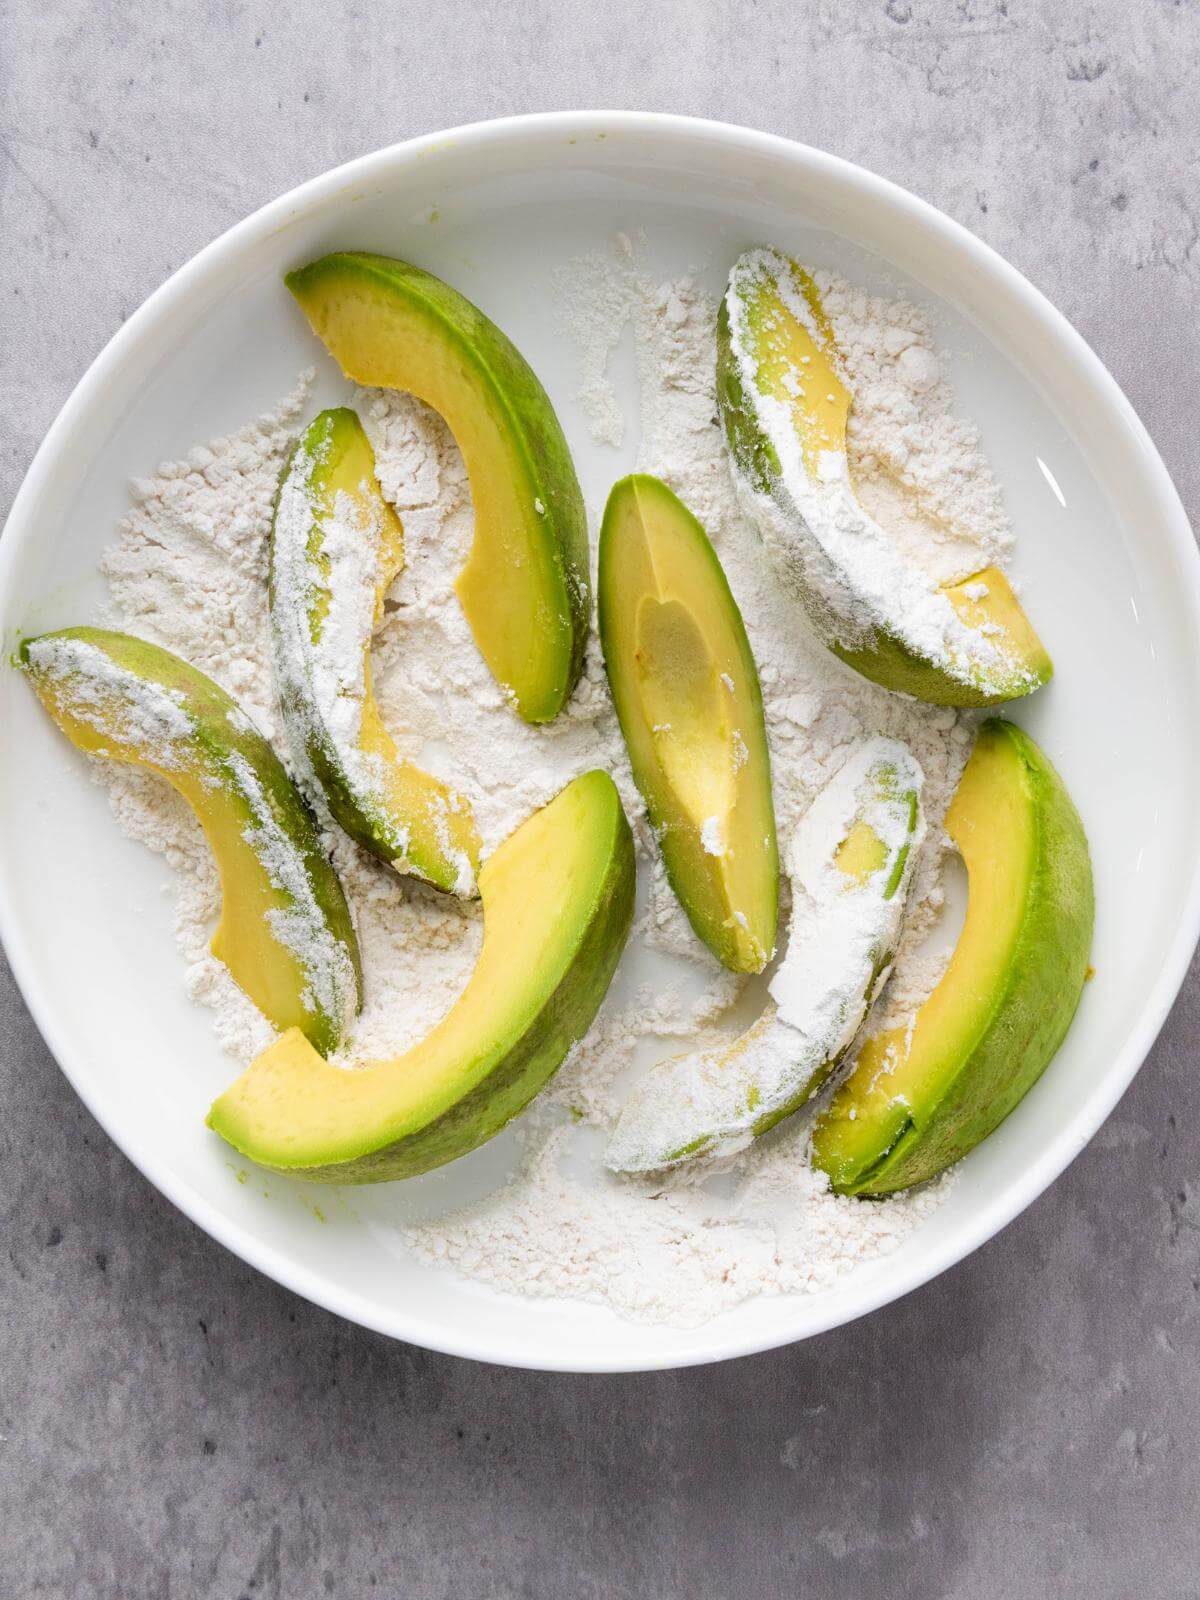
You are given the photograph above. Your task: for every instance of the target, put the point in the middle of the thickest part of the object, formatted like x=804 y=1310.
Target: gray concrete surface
x=171 y=1424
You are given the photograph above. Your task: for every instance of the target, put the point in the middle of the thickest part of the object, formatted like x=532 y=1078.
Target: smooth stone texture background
x=172 y=1424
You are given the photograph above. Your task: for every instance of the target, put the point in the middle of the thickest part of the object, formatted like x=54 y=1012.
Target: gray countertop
x=172 y=1424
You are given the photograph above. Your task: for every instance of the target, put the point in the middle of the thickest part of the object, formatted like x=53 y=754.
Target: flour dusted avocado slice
x=285 y=931
x=557 y=904
x=524 y=588
x=921 y=1097
x=686 y=692
x=784 y=407
x=850 y=865
x=336 y=545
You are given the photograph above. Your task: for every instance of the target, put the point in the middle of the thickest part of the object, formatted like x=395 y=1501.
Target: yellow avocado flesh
x=402 y=814
x=557 y=903
x=796 y=362
x=262 y=968
x=861 y=853
x=524 y=587
x=798 y=366
x=686 y=691
x=284 y=931
x=997 y=613
x=920 y=1097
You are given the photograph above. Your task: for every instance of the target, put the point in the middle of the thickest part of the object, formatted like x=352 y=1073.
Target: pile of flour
x=188 y=570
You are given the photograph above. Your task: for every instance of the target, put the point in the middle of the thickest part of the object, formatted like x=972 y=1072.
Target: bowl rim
x=474 y=1342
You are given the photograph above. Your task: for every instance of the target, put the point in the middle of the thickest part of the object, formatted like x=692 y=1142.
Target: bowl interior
x=1104 y=552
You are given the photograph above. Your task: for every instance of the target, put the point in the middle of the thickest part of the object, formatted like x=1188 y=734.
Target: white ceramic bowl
x=1104 y=546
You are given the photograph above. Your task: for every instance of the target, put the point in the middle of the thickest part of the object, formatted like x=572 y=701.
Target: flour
x=323 y=618
x=918 y=467
x=189 y=569
x=130 y=711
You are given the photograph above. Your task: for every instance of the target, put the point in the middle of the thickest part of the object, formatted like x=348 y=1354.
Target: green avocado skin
x=748 y=444
x=885 y=660
x=222 y=729
x=1031 y=1013
x=889 y=663
x=516 y=397
x=522 y=1069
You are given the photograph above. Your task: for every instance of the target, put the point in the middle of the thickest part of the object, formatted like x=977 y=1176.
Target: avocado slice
x=524 y=588
x=557 y=904
x=784 y=407
x=920 y=1097
x=336 y=545
x=686 y=691
x=850 y=864
x=285 y=931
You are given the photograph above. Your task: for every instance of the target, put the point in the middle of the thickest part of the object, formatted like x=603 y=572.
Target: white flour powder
x=188 y=570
